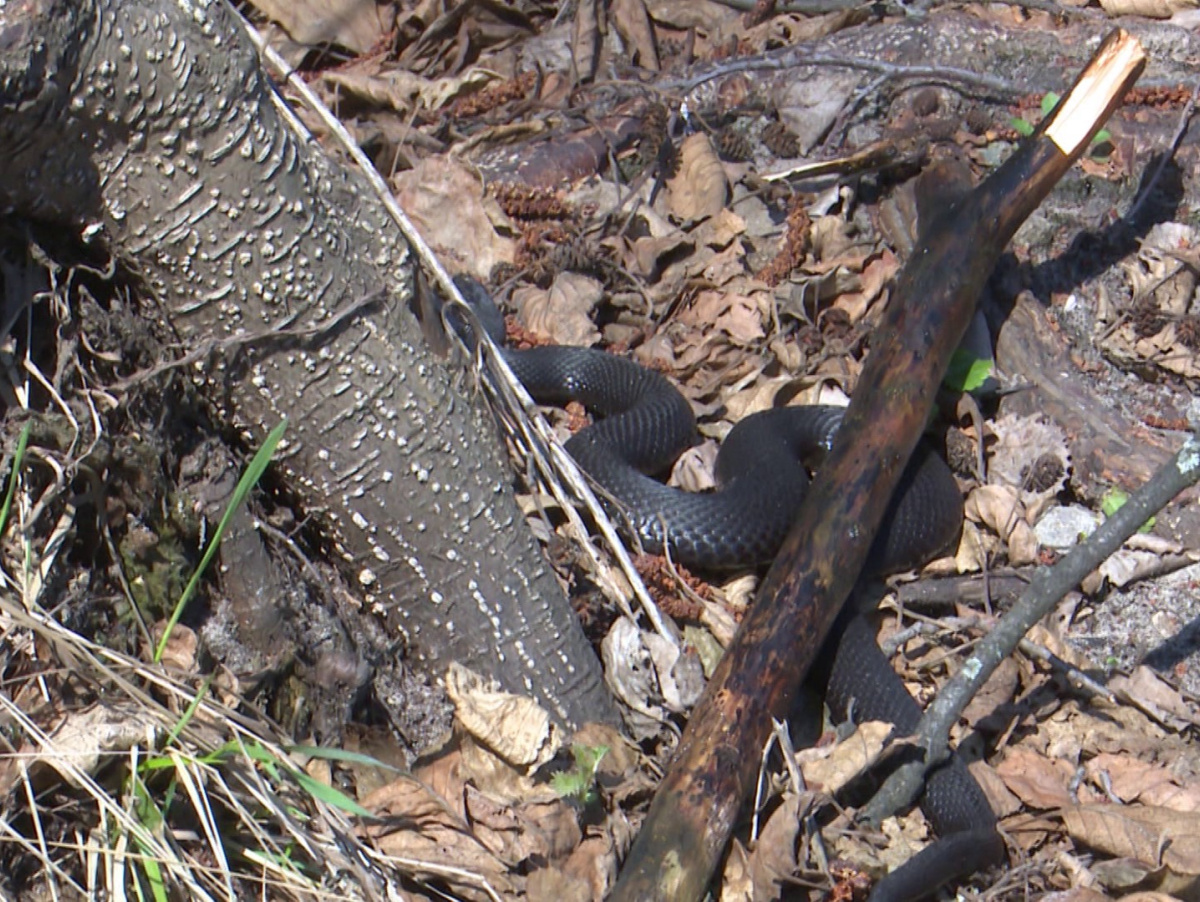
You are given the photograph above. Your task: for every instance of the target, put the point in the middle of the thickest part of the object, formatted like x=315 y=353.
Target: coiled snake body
x=643 y=425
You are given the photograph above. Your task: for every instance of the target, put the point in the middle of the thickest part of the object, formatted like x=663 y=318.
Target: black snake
x=644 y=423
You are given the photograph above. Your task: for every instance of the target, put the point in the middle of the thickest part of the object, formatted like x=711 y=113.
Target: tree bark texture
x=150 y=128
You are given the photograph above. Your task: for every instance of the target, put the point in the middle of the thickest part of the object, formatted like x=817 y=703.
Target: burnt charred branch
x=697 y=804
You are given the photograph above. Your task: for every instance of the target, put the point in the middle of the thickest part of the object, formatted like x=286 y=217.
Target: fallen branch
x=697 y=804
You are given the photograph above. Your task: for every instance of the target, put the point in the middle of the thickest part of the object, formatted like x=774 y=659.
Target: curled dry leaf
x=357 y=25
x=518 y=729
x=699 y=188
x=1156 y=836
x=630 y=674
x=1151 y=9
x=416 y=824
x=1159 y=272
x=466 y=241
x=180 y=653
x=1000 y=509
x=831 y=768
x=680 y=675
x=695 y=469
x=562 y=312
x=403 y=91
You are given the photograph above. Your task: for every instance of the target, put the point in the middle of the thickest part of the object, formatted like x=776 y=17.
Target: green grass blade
x=324 y=793
x=316 y=751
x=249 y=479
x=18 y=459
x=192 y=708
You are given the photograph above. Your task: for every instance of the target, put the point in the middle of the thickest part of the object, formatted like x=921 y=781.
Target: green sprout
x=1114 y=499
x=258 y=466
x=1025 y=128
x=579 y=783
x=967 y=372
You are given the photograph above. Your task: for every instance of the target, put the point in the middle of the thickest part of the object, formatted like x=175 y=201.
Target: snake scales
x=644 y=423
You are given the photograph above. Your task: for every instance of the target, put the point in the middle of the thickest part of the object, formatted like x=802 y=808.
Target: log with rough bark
x=150 y=130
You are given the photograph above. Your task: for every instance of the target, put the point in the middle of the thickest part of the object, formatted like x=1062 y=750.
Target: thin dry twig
x=1048 y=586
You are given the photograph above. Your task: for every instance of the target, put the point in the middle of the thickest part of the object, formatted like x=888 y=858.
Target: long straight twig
x=1048 y=586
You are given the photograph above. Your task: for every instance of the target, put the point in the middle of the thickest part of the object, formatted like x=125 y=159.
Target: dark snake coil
x=643 y=425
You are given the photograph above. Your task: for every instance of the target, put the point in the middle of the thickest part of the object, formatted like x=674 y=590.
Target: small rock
x=1062 y=527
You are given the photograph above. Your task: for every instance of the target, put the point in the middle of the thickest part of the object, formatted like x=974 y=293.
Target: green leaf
x=588 y=757
x=1114 y=499
x=1049 y=102
x=18 y=459
x=1021 y=126
x=249 y=479
x=579 y=782
x=316 y=751
x=327 y=794
x=570 y=784
x=190 y=712
x=967 y=372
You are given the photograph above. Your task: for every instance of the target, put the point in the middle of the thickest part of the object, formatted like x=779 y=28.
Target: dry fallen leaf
x=1151 y=9
x=585 y=38
x=1000 y=509
x=552 y=884
x=699 y=187
x=467 y=241
x=1133 y=780
x=1157 y=836
x=1038 y=781
x=831 y=768
x=85 y=739
x=562 y=313
x=1148 y=692
x=538 y=831
x=736 y=883
x=629 y=671
x=419 y=826
x=632 y=22
x=404 y=91
x=773 y=859
x=515 y=727
x=357 y=25
x=737 y=315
